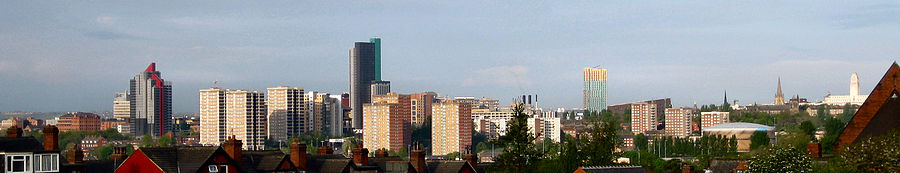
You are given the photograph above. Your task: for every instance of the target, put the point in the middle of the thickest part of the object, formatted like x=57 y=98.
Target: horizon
x=61 y=57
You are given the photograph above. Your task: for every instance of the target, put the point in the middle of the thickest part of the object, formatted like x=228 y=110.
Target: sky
x=74 y=56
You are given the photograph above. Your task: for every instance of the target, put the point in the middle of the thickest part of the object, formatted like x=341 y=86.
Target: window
x=18 y=163
x=46 y=162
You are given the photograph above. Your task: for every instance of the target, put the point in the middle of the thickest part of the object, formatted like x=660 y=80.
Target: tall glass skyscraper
x=595 y=94
x=365 y=67
x=151 y=103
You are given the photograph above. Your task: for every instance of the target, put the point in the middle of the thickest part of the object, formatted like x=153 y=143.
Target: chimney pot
x=51 y=138
x=360 y=156
x=14 y=132
x=298 y=154
x=75 y=155
x=417 y=158
x=233 y=146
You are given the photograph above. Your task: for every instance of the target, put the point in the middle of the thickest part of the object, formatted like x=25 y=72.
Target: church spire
x=779 y=96
x=725 y=101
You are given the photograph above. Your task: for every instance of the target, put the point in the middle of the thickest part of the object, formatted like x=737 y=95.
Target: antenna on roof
x=596 y=66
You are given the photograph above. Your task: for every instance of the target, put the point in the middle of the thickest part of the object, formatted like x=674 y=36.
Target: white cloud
x=499 y=76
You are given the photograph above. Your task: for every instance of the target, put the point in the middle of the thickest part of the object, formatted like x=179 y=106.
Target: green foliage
x=715 y=145
x=600 y=143
x=833 y=128
x=640 y=142
x=808 y=128
x=520 y=154
x=754 y=117
x=72 y=137
x=422 y=135
x=482 y=146
x=147 y=141
x=779 y=159
x=103 y=152
x=759 y=138
x=875 y=154
x=797 y=139
x=568 y=160
x=452 y=156
x=165 y=141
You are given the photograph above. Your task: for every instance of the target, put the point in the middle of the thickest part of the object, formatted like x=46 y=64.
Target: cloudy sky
x=70 y=56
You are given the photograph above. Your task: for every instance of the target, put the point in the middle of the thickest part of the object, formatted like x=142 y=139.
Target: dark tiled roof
x=21 y=144
x=723 y=165
x=447 y=166
x=180 y=159
x=262 y=161
x=101 y=166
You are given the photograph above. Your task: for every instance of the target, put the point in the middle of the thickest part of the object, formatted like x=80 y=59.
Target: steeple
x=725 y=101
x=779 y=97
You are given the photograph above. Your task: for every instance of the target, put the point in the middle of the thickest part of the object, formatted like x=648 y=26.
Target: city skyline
x=744 y=57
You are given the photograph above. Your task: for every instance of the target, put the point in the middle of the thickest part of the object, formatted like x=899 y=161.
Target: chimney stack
x=324 y=150
x=75 y=155
x=417 y=157
x=51 y=138
x=233 y=148
x=14 y=132
x=360 y=156
x=470 y=157
x=298 y=154
x=814 y=149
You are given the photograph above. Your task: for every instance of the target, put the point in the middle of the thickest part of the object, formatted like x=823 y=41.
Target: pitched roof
x=263 y=161
x=20 y=144
x=879 y=114
x=180 y=159
x=448 y=166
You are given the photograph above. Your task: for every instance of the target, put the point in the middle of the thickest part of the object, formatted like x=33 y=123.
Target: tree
x=147 y=141
x=875 y=154
x=520 y=153
x=759 y=138
x=451 y=156
x=640 y=142
x=808 y=128
x=779 y=159
x=732 y=144
x=600 y=143
x=165 y=141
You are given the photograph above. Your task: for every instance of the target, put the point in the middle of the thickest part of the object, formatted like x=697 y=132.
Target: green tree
x=640 y=142
x=147 y=141
x=759 y=138
x=875 y=154
x=103 y=152
x=779 y=159
x=600 y=143
x=808 y=128
x=451 y=156
x=520 y=153
x=165 y=141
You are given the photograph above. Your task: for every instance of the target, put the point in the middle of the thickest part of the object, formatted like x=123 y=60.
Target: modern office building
x=319 y=109
x=709 y=119
x=853 y=98
x=213 y=125
x=246 y=117
x=451 y=127
x=386 y=122
x=150 y=99
x=365 y=67
x=286 y=112
x=595 y=93
x=678 y=122
x=121 y=106
x=80 y=121
x=643 y=117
